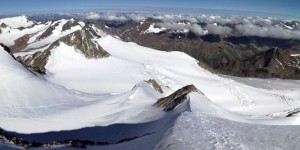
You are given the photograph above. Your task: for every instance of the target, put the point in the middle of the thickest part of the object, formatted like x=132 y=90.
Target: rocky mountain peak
x=70 y=23
x=170 y=102
x=82 y=40
x=48 y=31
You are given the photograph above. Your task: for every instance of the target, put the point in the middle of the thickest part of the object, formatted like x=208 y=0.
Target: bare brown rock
x=155 y=85
x=172 y=101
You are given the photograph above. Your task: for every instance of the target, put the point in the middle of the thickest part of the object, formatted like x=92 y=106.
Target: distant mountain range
x=226 y=53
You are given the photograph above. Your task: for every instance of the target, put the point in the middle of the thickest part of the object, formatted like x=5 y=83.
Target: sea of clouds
x=214 y=24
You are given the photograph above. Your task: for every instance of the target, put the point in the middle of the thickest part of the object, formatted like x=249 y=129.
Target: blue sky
x=289 y=7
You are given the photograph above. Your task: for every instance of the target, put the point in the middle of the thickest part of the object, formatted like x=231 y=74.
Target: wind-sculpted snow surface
x=39 y=106
x=194 y=130
x=100 y=96
x=130 y=63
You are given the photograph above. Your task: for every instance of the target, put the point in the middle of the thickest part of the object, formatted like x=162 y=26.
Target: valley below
x=144 y=84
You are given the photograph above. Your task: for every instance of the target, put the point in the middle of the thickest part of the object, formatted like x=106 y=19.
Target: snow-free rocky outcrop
x=170 y=102
x=274 y=62
x=155 y=85
x=7 y=49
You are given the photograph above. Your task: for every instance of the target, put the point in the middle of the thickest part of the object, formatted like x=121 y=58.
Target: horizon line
x=150 y=9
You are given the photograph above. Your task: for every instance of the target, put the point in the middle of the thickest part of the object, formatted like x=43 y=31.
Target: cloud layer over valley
x=202 y=24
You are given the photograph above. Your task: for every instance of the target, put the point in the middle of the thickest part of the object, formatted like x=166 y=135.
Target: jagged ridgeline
x=51 y=35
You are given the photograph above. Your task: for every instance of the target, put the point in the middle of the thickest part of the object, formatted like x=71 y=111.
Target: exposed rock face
x=292 y=112
x=172 y=101
x=214 y=52
x=155 y=85
x=30 y=68
x=2 y=25
x=7 y=49
x=37 y=61
x=48 y=31
x=20 y=43
x=82 y=40
x=69 y=24
x=271 y=63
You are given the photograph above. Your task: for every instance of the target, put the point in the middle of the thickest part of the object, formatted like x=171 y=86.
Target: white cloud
x=181 y=27
x=105 y=16
x=271 y=31
x=92 y=16
x=197 y=29
x=254 y=26
x=217 y=29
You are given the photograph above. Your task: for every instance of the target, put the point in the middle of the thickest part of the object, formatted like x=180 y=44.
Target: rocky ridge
x=81 y=40
x=216 y=53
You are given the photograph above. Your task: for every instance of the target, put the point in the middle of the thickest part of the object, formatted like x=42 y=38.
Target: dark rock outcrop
x=20 y=43
x=274 y=62
x=7 y=49
x=48 y=32
x=32 y=69
x=170 y=102
x=293 y=112
x=2 y=25
x=81 y=40
x=154 y=85
x=36 y=61
x=69 y=24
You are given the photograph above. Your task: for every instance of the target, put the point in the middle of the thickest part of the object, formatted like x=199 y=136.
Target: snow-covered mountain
x=99 y=91
x=17 y=22
x=34 y=43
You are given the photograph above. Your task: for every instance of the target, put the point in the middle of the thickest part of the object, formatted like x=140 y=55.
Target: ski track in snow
x=198 y=131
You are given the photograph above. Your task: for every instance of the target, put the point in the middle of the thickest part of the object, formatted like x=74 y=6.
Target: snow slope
x=193 y=130
x=39 y=106
x=34 y=31
x=131 y=63
x=17 y=22
x=14 y=34
x=102 y=93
